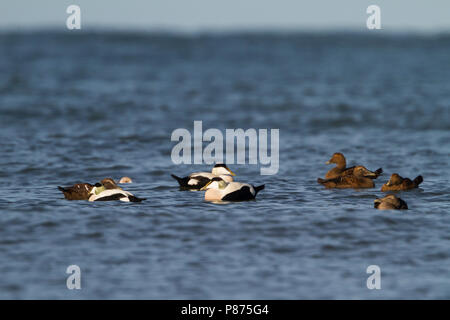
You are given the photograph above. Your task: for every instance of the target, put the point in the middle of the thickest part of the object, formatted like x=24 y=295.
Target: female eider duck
x=390 y=202
x=219 y=190
x=109 y=191
x=359 y=178
x=341 y=169
x=398 y=183
x=197 y=180
x=79 y=191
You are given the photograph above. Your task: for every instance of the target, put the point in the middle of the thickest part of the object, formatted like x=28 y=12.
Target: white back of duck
x=100 y=192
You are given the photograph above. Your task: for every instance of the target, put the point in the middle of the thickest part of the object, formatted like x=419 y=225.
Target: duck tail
x=136 y=199
x=259 y=188
x=182 y=181
x=403 y=204
x=418 y=180
x=376 y=203
x=62 y=189
x=320 y=180
x=379 y=171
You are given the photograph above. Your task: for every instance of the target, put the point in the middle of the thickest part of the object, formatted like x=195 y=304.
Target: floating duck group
x=106 y=190
x=360 y=177
x=219 y=185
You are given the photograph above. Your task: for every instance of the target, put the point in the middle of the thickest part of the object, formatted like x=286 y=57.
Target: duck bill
x=370 y=174
x=205 y=186
x=328 y=162
x=231 y=172
x=388 y=183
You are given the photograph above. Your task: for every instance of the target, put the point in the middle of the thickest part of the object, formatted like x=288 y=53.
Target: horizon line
x=227 y=30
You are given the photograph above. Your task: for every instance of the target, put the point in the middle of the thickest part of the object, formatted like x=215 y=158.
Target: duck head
x=97 y=189
x=109 y=183
x=361 y=171
x=215 y=183
x=227 y=177
x=125 y=180
x=390 y=202
x=339 y=159
x=221 y=168
x=394 y=179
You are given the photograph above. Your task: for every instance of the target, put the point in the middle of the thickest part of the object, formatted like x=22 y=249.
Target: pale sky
x=206 y=15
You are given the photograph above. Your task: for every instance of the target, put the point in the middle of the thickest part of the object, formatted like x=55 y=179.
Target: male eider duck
x=219 y=190
x=341 y=169
x=359 y=178
x=79 y=191
x=390 y=202
x=398 y=183
x=109 y=191
x=197 y=180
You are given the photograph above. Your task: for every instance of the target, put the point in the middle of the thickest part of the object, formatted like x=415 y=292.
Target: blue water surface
x=82 y=106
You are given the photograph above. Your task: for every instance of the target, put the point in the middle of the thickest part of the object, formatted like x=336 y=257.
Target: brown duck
x=79 y=191
x=398 y=183
x=109 y=184
x=341 y=167
x=359 y=177
x=390 y=202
